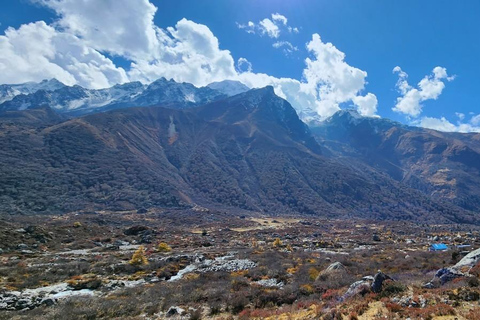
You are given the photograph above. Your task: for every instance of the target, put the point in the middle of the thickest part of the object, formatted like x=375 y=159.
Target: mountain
x=9 y=91
x=442 y=165
x=77 y=101
x=229 y=87
x=249 y=152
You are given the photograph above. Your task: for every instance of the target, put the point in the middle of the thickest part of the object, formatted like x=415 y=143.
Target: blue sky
x=374 y=36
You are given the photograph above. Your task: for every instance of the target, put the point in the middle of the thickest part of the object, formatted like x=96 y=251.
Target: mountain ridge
x=246 y=152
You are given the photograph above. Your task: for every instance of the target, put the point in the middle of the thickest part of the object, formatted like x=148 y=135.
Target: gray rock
x=378 y=280
x=172 y=311
x=272 y=283
x=336 y=266
x=358 y=287
x=22 y=246
x=48 y=302
x=469 y=260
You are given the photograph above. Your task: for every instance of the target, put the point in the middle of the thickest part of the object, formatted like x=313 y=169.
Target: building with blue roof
x=438 y=247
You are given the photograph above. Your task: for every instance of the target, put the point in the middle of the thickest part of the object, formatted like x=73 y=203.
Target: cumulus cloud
x=442 y=124
x=429 y=88
x=332 y=79
x=71 y=51
x=475 y=120
x=37 y=51
x=190 y=53
x=366 y=105
x=117 y=26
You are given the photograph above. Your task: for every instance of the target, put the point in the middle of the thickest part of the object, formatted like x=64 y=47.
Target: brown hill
x=249 y=151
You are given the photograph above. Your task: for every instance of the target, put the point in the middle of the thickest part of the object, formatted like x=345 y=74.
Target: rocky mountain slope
x=441 y=165
x=9 y=91
x=77 y=101
x=249 y=151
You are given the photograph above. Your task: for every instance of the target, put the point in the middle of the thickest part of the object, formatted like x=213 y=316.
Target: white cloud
x=37 y=51
x=475 y=120
x=460 y=116
x=249 y=27
x=331 y=78
x=429 y=88
x=121 y=27
x=366 y=105
x=269 y=28
x=70 y=50
x=243 y=63
x=280 y=18
x=294 y=30
x=191 y=53
x=442 y=124
x=287 y=46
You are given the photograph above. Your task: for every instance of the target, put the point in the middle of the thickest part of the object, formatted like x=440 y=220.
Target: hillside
x=250 y=151
x=444 y=166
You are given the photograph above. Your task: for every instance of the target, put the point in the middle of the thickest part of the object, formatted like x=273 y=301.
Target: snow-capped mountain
x=229 y=87
x=9 y=91
x=76 y=100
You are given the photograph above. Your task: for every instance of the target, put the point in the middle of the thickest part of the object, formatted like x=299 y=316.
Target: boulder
x=172 y=311
x=469 y=261
x=359 y=287
x=135 y=230
x=48 y=302
x=333 y=270
x=336 y=267
x=378 y=280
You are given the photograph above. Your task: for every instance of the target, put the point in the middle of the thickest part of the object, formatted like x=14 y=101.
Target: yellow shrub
x=138 y=258
x=277 y=243
x=307 y=289
x=163 y=247
x=313 y=273
x=77 y=224
x=292 y=270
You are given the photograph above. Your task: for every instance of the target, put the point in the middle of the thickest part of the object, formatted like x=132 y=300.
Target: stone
x=271 y=283
x=336 y=266
x=172 y=311
x=376 y=237
x=378 y=280
x=135 y=230
x=47 y=302
x=359 y=287
x=469 y=260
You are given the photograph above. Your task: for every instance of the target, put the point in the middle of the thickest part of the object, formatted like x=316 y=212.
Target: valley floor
x=221 y=265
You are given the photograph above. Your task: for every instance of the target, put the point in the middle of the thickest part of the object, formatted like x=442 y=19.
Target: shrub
x=313 y=273
x=237 y=303
x=138 y=258
x=277 y=243
x=163 y=247
x=391 y=288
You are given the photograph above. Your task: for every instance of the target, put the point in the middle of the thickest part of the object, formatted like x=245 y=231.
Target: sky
x=412 y=61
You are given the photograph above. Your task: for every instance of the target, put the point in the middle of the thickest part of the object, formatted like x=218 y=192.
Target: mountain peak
x=229 y=87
